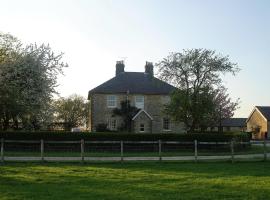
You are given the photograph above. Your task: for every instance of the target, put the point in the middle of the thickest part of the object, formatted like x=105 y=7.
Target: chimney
x=149 y=68
x=120 y=67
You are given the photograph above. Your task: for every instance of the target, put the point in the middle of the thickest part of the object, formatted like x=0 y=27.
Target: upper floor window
x=141 y=127
x=166 y=124
x=139 y=101
x=111 y=101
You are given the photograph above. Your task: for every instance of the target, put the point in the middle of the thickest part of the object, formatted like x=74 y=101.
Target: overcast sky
x=94 y=34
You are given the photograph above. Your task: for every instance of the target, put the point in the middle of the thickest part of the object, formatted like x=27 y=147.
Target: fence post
x=42 y=150
x=159 y=150
x=196 y=150
x=232 y=151
x=82 y=150
x=264 y=150
x=2 y=149
x=122 y=150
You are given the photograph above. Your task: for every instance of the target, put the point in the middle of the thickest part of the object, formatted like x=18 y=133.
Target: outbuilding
x=259 y=122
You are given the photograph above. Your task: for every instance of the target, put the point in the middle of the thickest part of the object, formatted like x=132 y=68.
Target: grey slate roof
x=265 y=110
x=135 y=83
x=234 y=122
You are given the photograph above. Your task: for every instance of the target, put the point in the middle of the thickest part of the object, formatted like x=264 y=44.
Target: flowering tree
x=28 y=78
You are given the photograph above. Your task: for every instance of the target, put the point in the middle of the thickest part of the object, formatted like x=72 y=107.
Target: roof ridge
x=135 y=82
x=265 y=111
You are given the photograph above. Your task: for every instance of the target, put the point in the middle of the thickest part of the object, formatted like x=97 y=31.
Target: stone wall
x=233 y=128
x=268 y=129
x=142 y=119
x=153 y=105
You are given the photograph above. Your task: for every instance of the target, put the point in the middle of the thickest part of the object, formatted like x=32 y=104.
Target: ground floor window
x=166 y=124
x=141 y=127
x=112 y=124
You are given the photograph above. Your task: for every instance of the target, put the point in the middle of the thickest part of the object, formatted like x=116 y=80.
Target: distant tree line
x=72 y=111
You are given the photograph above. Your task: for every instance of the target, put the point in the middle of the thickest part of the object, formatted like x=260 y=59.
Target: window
x=112 y=124
x=141 y=127
x=111 y=101
x=139 y=102
x=166 y=124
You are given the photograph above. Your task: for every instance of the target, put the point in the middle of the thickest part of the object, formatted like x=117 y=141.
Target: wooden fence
x=195 y=151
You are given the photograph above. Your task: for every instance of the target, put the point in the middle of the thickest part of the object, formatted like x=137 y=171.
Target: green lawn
x=135 y=180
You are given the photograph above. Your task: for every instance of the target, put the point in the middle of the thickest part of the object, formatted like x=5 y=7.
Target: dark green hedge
x=125 y=136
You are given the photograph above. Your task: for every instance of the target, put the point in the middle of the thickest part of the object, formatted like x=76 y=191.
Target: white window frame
x=139 y=101
x=112 y=124
x=169 y=124
x=142 y=125
x=111 y=101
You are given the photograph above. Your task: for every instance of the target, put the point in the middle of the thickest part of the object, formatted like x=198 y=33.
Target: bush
x=102 y=127
x=61 y=135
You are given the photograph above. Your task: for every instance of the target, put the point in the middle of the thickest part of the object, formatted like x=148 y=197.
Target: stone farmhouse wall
x=153 y=105
x=142 y=118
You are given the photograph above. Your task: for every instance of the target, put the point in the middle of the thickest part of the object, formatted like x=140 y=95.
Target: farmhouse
x=259 y=122
x=144 y=91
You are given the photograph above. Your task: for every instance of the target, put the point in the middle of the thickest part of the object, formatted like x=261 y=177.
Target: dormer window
x=139 y=101
x=111 y=101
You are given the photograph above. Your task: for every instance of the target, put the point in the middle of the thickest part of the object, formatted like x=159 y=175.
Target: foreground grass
x=149 y=180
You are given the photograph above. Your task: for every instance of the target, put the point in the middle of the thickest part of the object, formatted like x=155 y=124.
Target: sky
x=94 y=34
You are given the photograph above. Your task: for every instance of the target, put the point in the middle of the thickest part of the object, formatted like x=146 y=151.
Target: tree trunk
x=16 y=124
x=6 y=123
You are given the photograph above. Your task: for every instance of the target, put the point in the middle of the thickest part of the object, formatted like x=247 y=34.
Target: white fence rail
x=195 y=152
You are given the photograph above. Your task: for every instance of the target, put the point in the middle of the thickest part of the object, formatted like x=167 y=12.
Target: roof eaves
x=142 y=110
x=256 y=108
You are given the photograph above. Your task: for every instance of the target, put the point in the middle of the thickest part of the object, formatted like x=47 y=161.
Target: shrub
x=102 y=127
x=110 y=136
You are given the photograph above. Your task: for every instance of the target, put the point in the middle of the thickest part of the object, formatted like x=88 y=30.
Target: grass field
x=139 y=180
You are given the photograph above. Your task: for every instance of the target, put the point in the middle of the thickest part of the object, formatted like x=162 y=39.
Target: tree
x=127 y=112
x=200 y=98
x=72 y=111
x=10 y=48
x=224 y=106
x=28 y=76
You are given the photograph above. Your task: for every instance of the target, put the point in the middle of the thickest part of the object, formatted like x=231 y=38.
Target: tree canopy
x=72 y=111
x=201 y=99
x=127 y=112
x=28 y=79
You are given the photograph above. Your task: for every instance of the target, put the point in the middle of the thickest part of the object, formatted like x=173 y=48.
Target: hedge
x=58 y=136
